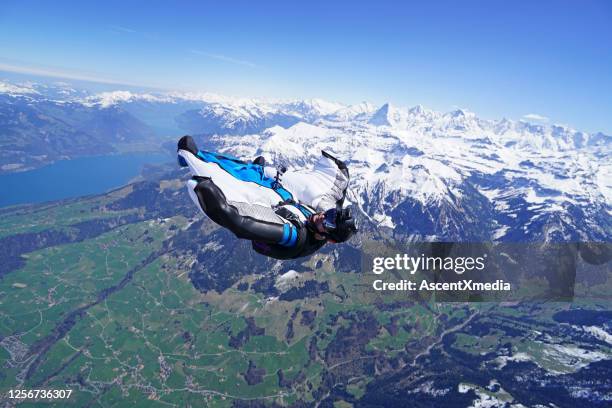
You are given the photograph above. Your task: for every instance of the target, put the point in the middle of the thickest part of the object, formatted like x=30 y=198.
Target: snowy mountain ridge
x=448 y=175
x=459 y=122
x=407 y=162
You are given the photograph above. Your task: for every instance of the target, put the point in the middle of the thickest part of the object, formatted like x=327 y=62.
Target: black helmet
x=345 y=226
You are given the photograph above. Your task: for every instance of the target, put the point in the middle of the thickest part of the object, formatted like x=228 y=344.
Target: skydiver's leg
x=214 y=203
x=242 y=206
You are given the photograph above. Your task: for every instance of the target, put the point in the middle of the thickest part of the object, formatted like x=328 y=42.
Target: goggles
x=329 y=222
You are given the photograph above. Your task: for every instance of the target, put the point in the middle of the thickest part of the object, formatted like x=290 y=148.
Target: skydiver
x=288 y=215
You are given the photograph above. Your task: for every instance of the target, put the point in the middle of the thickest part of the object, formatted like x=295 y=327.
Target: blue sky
x=496 y=58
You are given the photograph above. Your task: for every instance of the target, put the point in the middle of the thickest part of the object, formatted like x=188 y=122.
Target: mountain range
x=421 y=173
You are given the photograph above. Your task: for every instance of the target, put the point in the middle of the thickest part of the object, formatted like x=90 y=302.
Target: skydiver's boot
x=260 y=160
x=186 y=143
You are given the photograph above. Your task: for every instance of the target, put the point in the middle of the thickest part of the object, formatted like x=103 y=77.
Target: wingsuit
x=274 y=208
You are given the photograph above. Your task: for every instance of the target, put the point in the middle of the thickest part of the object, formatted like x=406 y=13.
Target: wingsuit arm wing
x=321 y=187
x=341 y=182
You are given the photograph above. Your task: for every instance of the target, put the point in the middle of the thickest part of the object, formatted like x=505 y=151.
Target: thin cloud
x=536 y=117
x=225 y=58
x=59 y=73
x=122 y=29
x=130 y=31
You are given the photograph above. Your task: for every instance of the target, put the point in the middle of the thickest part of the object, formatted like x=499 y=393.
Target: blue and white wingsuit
x=255 y=203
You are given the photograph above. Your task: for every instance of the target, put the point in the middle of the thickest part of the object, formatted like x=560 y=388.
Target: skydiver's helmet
x=339 y=224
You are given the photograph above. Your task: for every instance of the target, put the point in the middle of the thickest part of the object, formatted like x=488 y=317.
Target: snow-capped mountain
x=253 y=116
x=449 y=175
x=454 y=175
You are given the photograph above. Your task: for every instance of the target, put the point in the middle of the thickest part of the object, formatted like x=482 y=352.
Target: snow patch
x=599 y=333
x=14 y=89
x=287 y=280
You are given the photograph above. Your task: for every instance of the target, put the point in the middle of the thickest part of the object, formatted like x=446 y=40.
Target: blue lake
x=74 y=178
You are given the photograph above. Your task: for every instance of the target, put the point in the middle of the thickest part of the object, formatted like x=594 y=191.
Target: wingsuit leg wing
x=265 y=228
x=235 y=195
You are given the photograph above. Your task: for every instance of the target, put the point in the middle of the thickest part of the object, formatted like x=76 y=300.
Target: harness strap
x=306 y=210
